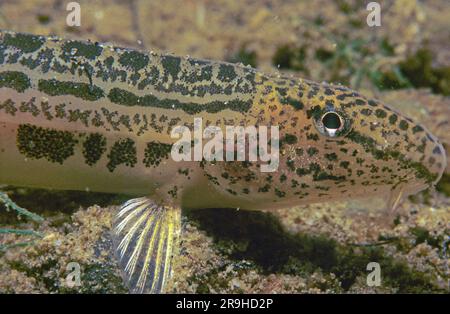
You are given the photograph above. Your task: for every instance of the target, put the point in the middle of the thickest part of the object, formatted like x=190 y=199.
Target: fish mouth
x=440 y=150
x=426 y=153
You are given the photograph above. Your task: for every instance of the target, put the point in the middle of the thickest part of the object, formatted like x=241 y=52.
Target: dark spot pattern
x=37 y=142
x=134 y=60
x=155 y=152
x=84 y=91
x=15 y=80
x=126 y=98
x=122 y=152
x=93 y=148
x=25 y=42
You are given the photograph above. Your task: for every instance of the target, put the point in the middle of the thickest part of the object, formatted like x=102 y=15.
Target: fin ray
x=145 y=236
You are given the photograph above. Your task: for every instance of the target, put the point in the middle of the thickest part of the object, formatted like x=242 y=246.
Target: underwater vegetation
x=224 y=250
x=443 y=185
x=360 y=63
x=245 y=56
x=262 y=240
x=42 y=265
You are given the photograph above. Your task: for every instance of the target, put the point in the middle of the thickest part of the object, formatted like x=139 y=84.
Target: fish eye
x=331 y=121
x=330 y=124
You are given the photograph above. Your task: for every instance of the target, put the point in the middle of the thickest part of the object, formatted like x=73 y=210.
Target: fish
x=82 y=115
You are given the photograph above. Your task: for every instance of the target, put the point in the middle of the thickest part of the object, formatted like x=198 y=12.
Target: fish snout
x=437 y=162
x=423 y=153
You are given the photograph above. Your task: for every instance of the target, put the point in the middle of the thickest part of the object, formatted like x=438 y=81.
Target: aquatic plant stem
x=4 y=198
x=20 y=232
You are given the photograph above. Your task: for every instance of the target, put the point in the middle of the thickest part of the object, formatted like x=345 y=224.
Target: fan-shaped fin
x=145 y=236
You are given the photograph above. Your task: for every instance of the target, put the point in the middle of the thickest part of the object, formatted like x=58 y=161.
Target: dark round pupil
x=331 y=120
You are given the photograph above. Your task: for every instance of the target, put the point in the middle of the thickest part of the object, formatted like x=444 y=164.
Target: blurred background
x=321 y=40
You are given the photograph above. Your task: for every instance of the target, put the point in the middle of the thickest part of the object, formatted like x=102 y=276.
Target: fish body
x=87 y=116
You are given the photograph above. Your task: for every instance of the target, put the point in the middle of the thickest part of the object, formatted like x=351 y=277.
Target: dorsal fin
x=145 y=236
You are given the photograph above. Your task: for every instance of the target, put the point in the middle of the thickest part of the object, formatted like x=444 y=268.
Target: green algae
x=245 y=56
x=417 y=71
x=95 y=278
x=39 y=272
x=261 y=239
x=217 y=281
x=422 y=235
x=289 y=56
x=53 y=203
x=43 y=19
x=356 y=58
x=443 y=185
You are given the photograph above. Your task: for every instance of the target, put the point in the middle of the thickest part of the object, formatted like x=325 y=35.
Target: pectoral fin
x=395 y=198
x=145 y=235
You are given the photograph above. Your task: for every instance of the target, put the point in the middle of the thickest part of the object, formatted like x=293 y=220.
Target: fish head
x=345 y=145
x=385 y=150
